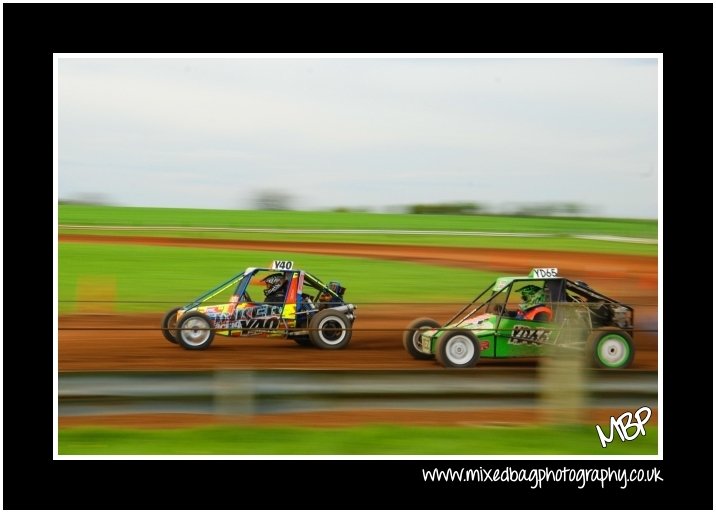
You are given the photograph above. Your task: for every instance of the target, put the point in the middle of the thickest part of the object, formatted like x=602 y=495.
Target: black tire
x=169 y=324
x=411 y=337
x=458 y=349
x=611 y=348
x=330 y=329
x=302 y=340
x=195 y=331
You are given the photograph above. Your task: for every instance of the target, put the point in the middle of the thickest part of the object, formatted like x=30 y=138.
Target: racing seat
x=540 y=313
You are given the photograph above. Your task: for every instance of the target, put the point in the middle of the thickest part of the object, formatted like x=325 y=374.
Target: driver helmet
x=273 y=283
x=532 y=295
x=337 y=288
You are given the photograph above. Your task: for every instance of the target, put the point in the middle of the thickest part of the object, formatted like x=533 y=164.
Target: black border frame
x=32 y=32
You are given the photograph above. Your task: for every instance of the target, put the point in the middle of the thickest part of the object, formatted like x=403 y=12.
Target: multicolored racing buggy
x=519 y=317
x=277 y=301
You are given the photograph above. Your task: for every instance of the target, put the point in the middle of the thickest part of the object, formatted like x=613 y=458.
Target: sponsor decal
x=258 y=311
x=249 y=326
x=425 y=341
x=482 y=325
x=251 y=320
x=522 y=335
x=476 y=322
x=501 y=283
x=484 y=344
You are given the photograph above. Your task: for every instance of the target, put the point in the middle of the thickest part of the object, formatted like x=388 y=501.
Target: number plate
x=282 y=265
x=544 y=272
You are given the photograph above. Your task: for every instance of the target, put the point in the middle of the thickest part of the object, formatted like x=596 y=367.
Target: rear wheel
x=169 y=325
x=611 y=348
x=457 y=348
x=411 y=337
x=195 y=331
x=330 y=329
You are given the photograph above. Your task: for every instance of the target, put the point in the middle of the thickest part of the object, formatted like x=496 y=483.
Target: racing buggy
x=519 y=317
x=278 y=302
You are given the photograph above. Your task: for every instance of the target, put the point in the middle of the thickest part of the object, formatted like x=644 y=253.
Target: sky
x=360 y=132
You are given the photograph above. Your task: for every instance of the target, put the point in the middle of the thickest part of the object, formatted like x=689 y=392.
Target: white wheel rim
x=195 y=331
x=333 y=326
x=613 y=350
x=459 y=349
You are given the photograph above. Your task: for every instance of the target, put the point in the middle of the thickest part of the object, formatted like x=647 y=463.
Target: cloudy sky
x=208 y=132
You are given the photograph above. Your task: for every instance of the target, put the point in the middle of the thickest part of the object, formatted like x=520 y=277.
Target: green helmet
x=532 y=295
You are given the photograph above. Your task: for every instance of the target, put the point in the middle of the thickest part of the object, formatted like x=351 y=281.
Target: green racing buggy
x=517 y=317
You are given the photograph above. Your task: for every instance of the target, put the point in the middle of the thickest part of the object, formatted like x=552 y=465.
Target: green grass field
x=373 y=440
x=153 y=278
x=139 y=216
x=563 y=231
x=145 y=278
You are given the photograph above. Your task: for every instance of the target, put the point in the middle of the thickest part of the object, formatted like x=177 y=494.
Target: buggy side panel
x=518 y=338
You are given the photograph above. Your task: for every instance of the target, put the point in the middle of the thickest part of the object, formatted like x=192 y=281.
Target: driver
x=326 y=300
x=276 y=287
x=533 y=306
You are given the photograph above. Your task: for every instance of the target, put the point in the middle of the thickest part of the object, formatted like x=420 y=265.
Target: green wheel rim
x=613 y=350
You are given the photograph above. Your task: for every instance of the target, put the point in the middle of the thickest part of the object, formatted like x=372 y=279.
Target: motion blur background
x=413 y=181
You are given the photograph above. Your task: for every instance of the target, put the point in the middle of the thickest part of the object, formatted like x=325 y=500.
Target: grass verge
x=371 y=439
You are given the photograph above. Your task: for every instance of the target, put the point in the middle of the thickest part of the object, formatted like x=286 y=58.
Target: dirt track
x=134 y=342
x=123 y=342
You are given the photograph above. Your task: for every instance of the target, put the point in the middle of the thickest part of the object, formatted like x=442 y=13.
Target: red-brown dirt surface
x=100 y=342
x=134 y=342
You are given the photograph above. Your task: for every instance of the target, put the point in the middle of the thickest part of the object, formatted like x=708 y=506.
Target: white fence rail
x=282 y=391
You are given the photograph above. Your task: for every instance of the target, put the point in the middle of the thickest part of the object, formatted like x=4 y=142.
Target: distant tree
x=573 y=209
x=344 y=210
x=446 y=208
x=549 y=209
x=533 y=210
x=272 y=200
x=87 y=198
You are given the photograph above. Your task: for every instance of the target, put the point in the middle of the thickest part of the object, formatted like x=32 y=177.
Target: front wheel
x=330 y=329
x=411 y=337
x=195 y=331
x=169 y=325
x=457 y=348
x=611 y=348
